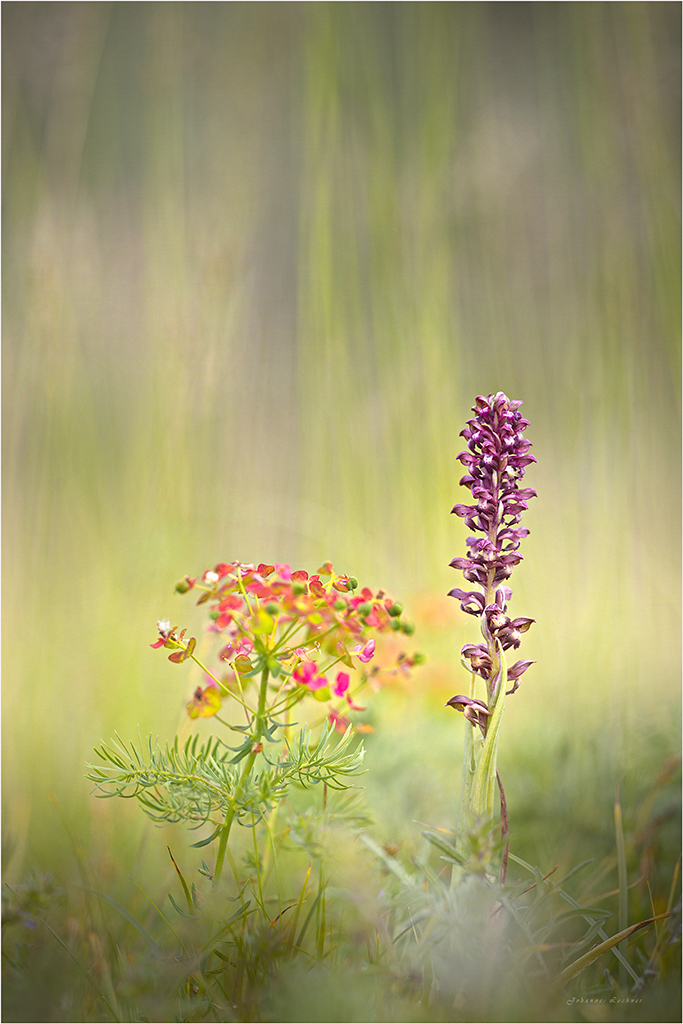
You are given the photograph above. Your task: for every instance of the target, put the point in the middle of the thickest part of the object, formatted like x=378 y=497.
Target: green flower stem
x=270 y=853
x=288 y=633
x=479 y=776
x=468 y=768
x=221 y=686
x=259 y=723
x=484 y=783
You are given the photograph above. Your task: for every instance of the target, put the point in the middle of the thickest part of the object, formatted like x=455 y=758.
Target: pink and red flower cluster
x=237 y=591
x=297 y=626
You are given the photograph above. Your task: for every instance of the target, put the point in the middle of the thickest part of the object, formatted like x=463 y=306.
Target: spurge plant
x=283 y=639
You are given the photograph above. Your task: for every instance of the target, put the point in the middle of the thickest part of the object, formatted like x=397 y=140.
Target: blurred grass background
x=259 y=259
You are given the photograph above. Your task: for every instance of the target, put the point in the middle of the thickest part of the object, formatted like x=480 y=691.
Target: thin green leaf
x=156 y=949
x=484 y=783
x=593 y=954
x=447 y=849
x=623 y=881
x=572 y=902
x=183 y=913
x=205 y=842
x=182 y=881
x=114 y=1014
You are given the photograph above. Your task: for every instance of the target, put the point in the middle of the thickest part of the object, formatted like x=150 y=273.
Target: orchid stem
x=484 y=784
x=468 y=768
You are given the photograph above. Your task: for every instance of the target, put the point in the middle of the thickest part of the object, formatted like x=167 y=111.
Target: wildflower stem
x=259 y=722
x=484 y=783
x=221 y=686
x=468 y=768
x=270 y=853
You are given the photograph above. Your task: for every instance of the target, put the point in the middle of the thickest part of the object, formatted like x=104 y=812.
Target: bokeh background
x=258 y=261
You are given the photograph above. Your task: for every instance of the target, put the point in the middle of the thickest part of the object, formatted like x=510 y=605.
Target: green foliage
x=200 y=783
x=322 y=761
x=312 y=924
x=503 y=952
x=195 y=783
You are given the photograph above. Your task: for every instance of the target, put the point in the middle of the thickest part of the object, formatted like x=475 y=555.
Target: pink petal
x=367 y=652
x=342 y=684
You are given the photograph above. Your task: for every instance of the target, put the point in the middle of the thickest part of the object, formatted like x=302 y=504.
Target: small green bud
x=298 y=588
x=272 y=608
x=353 y=583
x=395 y=610
x=408 y=628
x=262 y=623
x=242 y=664
x=365 y=608
x=339 y=605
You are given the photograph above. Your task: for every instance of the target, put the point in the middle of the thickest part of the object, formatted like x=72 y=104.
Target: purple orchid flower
x=496 y=459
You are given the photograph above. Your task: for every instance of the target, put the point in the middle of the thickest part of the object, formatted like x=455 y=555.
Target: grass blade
x=593 y=954
x=623 y=884
x=156 y=949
